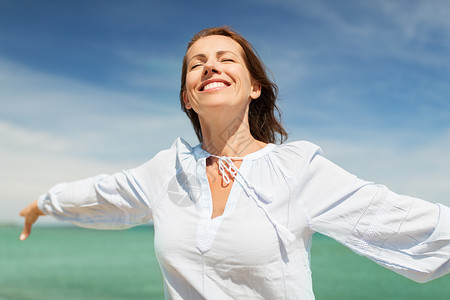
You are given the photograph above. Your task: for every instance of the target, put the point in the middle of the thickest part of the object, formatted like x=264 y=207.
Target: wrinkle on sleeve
x=407 y=235
x=101 y=202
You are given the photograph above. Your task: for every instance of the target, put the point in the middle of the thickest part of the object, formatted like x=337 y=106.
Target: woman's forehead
x=214 y=43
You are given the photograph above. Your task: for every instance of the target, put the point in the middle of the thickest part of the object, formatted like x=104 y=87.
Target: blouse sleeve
x=405 y=234
x=118 y=201
x=101 y=202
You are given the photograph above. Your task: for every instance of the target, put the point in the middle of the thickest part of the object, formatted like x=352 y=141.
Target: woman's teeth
x=214 y=85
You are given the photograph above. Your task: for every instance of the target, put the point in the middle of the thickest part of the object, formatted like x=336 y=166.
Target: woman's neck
x=230 y=137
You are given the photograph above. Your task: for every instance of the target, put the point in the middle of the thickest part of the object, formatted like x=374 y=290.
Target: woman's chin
x=220 y=102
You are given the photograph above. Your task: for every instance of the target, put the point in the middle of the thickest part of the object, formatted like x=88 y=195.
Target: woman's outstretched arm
x=117 y=201
x=405 y=234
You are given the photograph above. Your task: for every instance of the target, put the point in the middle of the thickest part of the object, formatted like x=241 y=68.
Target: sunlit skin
x=219 y=88
x=225 y=107
x=31 y=213
x=222 y=107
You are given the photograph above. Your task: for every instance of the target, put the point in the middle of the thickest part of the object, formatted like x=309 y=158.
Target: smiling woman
x=263 y=122
x=218 y=78
x=234 y=216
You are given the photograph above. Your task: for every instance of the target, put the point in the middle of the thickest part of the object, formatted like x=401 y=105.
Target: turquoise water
x=73 y=263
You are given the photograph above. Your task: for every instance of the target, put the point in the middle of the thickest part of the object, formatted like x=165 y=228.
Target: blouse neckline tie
x=226 y=166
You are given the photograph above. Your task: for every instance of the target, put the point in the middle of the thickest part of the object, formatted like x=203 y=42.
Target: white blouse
x=260 y=247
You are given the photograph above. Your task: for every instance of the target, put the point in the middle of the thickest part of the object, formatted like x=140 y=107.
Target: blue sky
x=89 y=87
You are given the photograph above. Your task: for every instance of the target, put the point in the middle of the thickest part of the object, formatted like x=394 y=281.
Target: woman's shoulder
x=170 y=159
x=300 y=149
x=293 y=157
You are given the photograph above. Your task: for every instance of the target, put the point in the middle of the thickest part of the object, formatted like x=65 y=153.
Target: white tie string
x=226 y=165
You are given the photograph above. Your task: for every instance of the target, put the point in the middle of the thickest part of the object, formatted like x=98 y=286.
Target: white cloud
x=150 y=69
x=28 y=92
x=17 y=139
x=414 y=31
x=417 y=19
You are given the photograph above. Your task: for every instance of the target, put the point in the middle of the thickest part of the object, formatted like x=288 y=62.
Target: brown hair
x=263 y=122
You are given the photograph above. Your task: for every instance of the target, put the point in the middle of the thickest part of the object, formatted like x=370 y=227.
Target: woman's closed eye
x=227 y=60
x=196 y=65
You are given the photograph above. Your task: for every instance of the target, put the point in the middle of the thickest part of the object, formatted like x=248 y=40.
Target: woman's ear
x=187 y=104
x=256 y=91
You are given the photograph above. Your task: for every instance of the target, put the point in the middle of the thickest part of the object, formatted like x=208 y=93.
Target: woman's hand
x=31 y=213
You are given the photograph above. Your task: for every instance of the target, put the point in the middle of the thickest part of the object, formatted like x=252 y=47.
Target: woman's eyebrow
x=222 y=52
x=218 y=54
x=200 y=55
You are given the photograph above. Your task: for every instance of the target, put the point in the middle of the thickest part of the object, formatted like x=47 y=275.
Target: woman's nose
x=210 y=69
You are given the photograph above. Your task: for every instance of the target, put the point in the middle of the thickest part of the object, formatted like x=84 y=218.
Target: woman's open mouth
x=211 y=85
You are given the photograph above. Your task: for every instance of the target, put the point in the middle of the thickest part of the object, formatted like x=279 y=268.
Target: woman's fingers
x=23 y=235
x=29 y=221
x=26 y=230
x=31 y=213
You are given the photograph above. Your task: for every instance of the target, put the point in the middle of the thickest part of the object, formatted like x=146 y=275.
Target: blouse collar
x=199 y=152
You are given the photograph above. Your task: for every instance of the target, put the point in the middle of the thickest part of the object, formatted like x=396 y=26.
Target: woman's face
x=217 y=76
